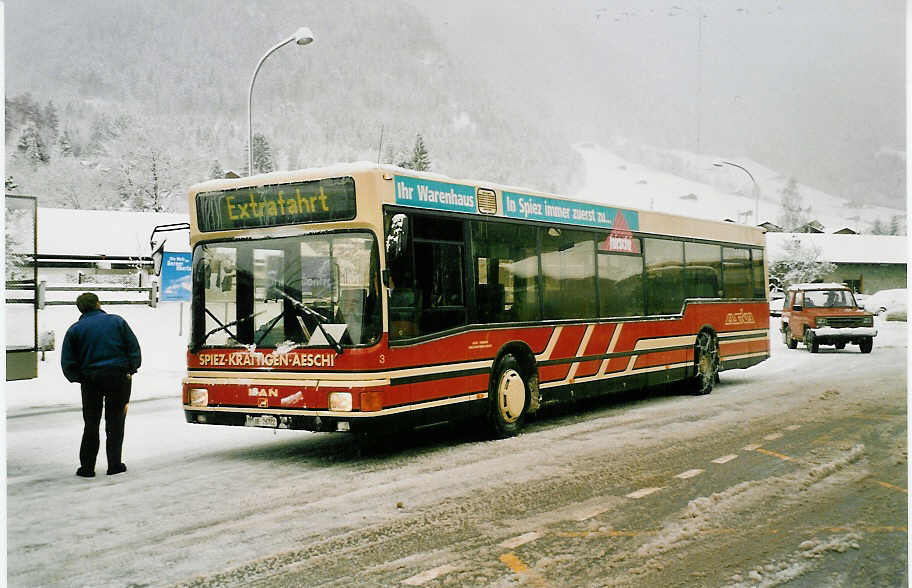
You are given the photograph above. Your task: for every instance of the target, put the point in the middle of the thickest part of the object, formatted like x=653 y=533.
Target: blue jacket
x=97 y=341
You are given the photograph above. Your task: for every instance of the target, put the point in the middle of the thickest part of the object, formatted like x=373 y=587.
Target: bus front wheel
x=509 y=397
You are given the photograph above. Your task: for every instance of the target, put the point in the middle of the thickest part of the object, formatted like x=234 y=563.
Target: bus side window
x=736 y=272
x=506 y=272
x=664 y=276
x=703 y=270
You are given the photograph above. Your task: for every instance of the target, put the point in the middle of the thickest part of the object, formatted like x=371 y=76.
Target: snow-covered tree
x=31 y=147
x=65 y=144
x=147 y=180
x=792 y=213
x=879 y=227
x=216 y=171
x=418 y=160
x=51 y=121
x=262 y=155
x=421 y=161
x=799 y=264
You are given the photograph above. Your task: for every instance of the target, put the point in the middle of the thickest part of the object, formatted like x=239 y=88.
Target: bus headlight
x=821 y=321
x=199 y=397
x=868 y=321
x=340 y=401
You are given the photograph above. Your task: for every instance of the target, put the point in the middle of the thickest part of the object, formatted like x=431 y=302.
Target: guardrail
x=43 y=288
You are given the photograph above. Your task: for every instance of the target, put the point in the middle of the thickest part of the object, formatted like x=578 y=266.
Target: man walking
x=101 y=353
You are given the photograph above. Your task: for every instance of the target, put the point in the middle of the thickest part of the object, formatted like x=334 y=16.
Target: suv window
x=829 y=299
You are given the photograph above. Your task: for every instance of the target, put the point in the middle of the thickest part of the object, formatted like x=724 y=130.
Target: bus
x=368 y=297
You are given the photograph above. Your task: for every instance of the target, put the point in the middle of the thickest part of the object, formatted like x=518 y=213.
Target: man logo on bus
x=621 y=238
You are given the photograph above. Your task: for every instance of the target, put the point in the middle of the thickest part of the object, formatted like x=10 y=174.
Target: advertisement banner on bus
x=432 y=194
x=541 y=208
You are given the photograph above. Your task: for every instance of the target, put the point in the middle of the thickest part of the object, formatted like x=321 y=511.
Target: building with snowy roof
x=867 y=263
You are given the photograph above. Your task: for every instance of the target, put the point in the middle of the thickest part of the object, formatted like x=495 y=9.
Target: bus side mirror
x=157 y=256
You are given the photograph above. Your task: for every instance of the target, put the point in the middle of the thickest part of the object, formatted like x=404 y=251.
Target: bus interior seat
x=351 y=312
x=403 y=307
x=491 y=299
x=403 y=297
x=351 y=301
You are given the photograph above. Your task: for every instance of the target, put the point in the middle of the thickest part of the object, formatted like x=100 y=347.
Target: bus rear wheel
x=706 y=363
x=509 y=394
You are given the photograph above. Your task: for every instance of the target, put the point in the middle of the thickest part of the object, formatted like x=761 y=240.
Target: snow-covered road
x=608 y=492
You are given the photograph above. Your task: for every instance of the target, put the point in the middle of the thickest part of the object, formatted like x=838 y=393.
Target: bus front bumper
x=319 y=421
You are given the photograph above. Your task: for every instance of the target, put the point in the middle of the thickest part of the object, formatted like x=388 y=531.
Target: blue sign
x=175 y=277
x=431 y=194
x=541 y=208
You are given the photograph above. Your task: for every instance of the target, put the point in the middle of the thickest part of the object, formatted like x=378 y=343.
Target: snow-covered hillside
x=720 y=192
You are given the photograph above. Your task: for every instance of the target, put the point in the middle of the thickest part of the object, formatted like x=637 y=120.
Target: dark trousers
x=110 y=389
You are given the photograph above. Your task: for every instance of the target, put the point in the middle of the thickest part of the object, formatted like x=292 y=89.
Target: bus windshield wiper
x=300 y=306
x=222 y=327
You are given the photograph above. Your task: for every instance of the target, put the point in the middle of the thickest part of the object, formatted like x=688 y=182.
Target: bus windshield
x=303 y=291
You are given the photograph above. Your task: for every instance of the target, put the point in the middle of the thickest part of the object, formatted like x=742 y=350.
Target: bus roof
x=588 y=213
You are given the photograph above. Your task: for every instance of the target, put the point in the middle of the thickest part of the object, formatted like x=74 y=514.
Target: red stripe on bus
x=551 y=373
x=568 y=343
x=659 y=358
x=446 y=388
x=741 y=347
x=598 y=344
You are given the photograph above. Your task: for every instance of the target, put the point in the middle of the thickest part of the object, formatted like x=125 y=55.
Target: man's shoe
x=84 y=473
x=118 y=469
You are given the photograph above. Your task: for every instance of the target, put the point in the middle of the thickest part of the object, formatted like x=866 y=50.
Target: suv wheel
x=787 y=338
x=810 y=341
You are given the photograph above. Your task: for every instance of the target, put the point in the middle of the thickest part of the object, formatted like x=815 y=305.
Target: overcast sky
x=814 y=88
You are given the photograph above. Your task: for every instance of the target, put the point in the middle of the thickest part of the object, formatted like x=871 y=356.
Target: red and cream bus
x=358 y=296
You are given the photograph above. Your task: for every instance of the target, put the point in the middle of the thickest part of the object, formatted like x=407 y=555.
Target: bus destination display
x=331 y=199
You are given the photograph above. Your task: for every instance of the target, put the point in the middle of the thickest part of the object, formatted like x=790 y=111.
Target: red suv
x=825 y=314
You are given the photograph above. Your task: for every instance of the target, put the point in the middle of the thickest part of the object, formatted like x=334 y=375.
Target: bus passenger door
x=427 y=300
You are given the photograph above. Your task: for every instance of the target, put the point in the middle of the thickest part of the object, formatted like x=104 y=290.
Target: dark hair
x=86 y=301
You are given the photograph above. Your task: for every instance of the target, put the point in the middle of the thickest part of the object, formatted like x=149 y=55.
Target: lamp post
x=756 y=187
x=302 y=36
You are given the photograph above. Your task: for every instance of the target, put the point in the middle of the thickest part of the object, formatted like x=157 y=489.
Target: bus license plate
x=263 y=420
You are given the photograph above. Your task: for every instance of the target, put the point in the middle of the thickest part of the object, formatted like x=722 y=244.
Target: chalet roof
x=810 y=227
x=837 y=248
x=769 y=226
x=66 y=231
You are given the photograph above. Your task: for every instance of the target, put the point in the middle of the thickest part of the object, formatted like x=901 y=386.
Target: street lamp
x=302 y=36
x=756 y=187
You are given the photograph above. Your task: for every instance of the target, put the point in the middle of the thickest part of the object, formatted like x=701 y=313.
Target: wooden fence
x=40 y=293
